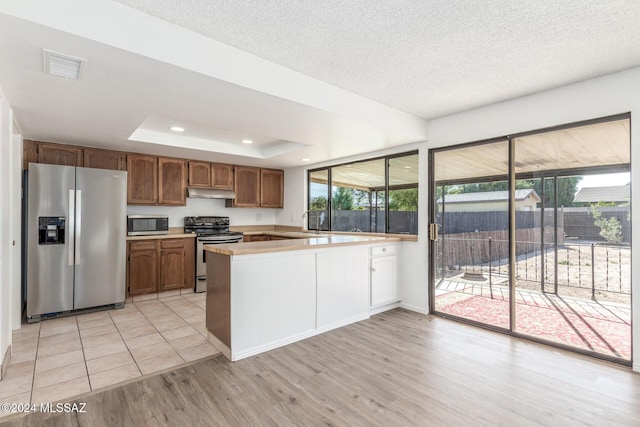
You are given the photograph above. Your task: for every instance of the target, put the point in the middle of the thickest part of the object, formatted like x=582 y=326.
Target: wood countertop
x=296 y=243
x=174 y=233
x=298 y=233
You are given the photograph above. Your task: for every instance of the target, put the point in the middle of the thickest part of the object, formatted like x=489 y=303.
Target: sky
x=605 y=180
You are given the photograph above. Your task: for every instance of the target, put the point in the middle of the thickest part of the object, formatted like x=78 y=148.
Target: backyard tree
x=342 y=199
x=319 y=203
x=566 y=188
x=610 y=229
x=403 y=200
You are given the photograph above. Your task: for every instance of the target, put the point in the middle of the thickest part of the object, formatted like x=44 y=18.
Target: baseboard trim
x=219 y=345
x=5 y=363
x=238 y=355
x=382 y=308
x=414 y=308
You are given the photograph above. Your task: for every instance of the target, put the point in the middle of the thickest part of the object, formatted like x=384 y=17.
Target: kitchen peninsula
x=263 y=295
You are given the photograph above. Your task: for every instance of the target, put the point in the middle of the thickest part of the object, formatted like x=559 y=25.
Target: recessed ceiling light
x=304 y=159
x=247 y=141
x=407 y=167
x=177 y=129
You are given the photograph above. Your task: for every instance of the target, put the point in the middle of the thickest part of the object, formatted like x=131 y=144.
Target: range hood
x=210 y=193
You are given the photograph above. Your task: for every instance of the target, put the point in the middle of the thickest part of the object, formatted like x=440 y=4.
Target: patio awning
x=600 y=145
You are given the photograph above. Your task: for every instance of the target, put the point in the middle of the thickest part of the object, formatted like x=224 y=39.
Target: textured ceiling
x=425 y=57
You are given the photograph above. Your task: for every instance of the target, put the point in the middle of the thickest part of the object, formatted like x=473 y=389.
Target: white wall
x=209 y=207
x=15 y=221
x=5 y=226
x=604 y=96
x=412 y=259
x=295 y=198
x=609 y=95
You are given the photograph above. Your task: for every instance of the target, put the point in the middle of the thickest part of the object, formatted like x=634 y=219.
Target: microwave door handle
x=71 y=226
x=78 y=224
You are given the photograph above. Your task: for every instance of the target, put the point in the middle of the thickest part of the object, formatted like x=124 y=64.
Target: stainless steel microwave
x=147 y=225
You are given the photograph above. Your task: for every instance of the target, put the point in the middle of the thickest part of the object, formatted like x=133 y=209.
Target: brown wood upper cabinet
x=171 y=181
x=255 y=187
x=142 y=180
x=58 y=154
x=247 y=187
x=104 y=159
x=30 y=153
x=271 y=188
x=222 y=176
x=210 y=175
x=199 y=174
x=156 y=181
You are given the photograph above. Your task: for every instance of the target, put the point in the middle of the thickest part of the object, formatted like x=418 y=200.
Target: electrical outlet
x=258 y=217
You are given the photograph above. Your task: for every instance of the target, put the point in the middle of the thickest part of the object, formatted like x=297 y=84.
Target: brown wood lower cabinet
x=256 y=238
x=172 y=264
x=156 y=265
x=142 y=266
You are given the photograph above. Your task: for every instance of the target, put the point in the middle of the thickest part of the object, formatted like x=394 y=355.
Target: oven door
x=201 y=257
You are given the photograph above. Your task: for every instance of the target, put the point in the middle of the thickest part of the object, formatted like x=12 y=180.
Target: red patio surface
x=601 y=327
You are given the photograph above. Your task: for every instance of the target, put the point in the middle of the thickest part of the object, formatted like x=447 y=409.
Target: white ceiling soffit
x=210 y=83
x=339 y=78
x=429 y=58
x=194 y=136
x=592 y=146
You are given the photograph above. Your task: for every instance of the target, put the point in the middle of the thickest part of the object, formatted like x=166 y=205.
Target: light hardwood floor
x=398 y=368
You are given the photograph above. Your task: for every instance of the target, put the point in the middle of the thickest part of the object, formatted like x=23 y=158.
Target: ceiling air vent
x=61 y=65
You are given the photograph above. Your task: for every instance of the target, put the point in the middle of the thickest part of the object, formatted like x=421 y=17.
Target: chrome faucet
x=309 y=212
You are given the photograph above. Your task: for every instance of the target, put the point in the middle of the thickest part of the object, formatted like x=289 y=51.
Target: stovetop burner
x=190 y=221
x=208 y=226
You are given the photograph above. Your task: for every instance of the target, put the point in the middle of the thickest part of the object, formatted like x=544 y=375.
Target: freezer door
x=50 y=263
x=100 y=261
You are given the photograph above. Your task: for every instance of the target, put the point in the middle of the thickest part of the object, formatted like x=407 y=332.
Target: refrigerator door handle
x=71 y=225
x=78 y=224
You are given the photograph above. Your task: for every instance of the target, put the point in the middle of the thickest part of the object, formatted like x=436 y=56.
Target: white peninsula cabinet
x=342 y=287
x=384 y=277
x=263 y=295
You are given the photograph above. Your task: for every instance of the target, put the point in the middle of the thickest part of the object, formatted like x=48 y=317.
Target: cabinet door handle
x=373 y=269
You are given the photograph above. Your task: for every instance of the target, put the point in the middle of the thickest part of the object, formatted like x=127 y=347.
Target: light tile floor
x=60 y=358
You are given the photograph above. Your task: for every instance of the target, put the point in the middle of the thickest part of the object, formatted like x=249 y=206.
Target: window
x=377 y=196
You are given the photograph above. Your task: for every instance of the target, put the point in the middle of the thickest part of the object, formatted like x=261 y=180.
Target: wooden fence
x=480 y=247
x=579 y=222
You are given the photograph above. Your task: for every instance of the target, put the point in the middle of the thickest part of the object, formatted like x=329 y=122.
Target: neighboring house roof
x=618 y=193
x=489 y=196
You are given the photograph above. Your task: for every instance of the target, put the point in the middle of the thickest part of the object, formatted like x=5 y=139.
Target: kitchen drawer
x=383 y=250
x=171 y=243
x=143 y=245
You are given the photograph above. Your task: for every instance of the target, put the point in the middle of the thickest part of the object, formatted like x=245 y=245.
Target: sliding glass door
x=531 y=235
x=572 y=281
x=471 y=212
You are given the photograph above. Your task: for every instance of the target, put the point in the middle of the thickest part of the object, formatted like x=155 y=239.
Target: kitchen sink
x=305 y=234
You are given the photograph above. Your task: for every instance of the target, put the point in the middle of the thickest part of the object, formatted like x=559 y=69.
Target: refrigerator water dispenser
x=51 y=230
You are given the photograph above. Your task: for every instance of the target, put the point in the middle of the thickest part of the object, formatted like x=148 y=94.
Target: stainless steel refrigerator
x=76 y=239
